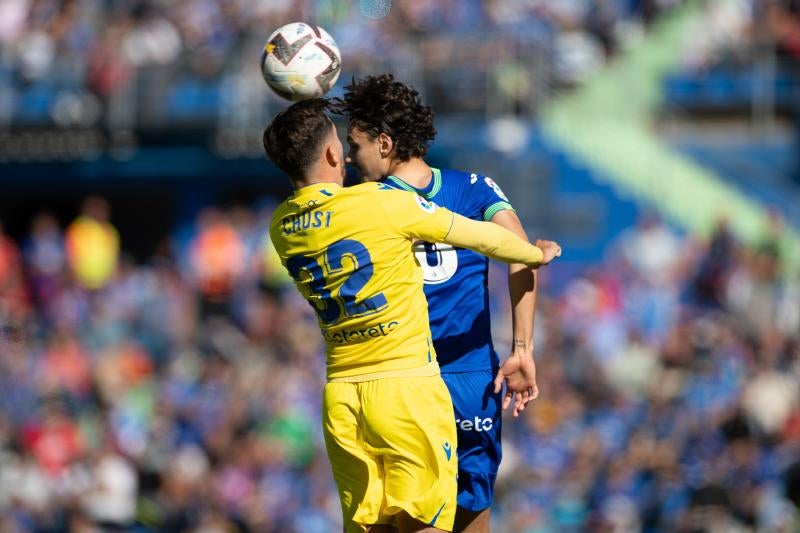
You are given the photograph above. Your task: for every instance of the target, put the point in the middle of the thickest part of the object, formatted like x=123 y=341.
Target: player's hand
x=519 y=373
x=550 y=250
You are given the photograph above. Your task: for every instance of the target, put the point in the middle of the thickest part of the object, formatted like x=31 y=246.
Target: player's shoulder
x=468 y=182
x=369 y=188
x=394 y=200
x=276 y=223
x=484 y=186
x=453 y=176
x=281 y=210
x=382 y=192
x=376 y=197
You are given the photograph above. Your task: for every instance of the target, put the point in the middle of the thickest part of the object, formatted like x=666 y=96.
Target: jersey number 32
x=348 y=265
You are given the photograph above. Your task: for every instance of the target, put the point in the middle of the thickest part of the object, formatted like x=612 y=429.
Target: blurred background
x=160 y=373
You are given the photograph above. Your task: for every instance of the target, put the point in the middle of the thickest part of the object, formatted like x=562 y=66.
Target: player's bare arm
x=519 y=368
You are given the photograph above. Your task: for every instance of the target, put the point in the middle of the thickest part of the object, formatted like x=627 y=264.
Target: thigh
x=478 y=413
x=410 y=426
x=358 y=473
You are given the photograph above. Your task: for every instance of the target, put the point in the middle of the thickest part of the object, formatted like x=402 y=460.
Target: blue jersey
x=456 y=281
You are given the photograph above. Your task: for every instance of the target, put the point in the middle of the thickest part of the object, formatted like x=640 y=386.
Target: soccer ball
x=300 y=61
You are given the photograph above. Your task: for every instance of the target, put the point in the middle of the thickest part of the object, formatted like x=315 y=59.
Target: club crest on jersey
x=496 y=188
x=428 y=207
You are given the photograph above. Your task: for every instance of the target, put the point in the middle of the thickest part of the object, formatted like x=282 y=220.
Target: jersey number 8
x=439 y=261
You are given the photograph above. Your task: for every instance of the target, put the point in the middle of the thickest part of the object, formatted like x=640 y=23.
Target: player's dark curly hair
x=379 y=104
x=294 y=137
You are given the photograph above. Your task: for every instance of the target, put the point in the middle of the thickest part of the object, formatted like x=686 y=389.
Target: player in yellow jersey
x=387 y=415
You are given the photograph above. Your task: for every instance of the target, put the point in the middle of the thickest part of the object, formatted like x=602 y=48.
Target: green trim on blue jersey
x=402 y=184
x=437 y=184
x=493 y=209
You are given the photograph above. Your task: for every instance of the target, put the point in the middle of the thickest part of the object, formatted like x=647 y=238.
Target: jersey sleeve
x=493 y=240
x=415 y=217
x=486 y=197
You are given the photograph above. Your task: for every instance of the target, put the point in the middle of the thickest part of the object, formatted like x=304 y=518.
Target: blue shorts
x=478 y=413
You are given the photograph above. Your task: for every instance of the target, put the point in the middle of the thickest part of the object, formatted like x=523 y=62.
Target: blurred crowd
x=183 y=393
x=669 y=393
x=179 y=395
x=119 y=62
x=78 y=56
x=738 y=32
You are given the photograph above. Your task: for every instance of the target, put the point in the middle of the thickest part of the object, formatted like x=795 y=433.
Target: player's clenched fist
x=550 y=250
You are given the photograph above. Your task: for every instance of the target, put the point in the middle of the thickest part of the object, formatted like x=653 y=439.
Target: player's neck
x=325 y=176
x=415 y=172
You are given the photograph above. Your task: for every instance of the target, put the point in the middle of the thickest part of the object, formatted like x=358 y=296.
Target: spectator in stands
x=217 y=258
x=45 y=261
x=712 y=277
x=783 y=22
x=92 y=245
x=13 y=293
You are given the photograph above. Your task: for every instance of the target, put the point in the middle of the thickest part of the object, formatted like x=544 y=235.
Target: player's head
x=387 y=123
x=302 y=141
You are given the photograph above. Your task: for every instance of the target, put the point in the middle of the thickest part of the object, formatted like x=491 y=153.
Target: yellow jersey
x=349 y=251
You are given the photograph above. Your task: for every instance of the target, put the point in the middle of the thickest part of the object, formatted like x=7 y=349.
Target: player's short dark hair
x=379 y=104
x=294 y=137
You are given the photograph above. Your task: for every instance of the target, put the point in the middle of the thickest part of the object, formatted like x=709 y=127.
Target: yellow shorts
x=392 y=446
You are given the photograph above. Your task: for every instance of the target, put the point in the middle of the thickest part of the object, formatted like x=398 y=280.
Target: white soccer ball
x=300 y=61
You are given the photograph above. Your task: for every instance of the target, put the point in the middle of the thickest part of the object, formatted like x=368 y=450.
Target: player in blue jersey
x=388 y=134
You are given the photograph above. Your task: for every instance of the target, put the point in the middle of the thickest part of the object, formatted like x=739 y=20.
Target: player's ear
x=332 y=157
x=385 y=144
